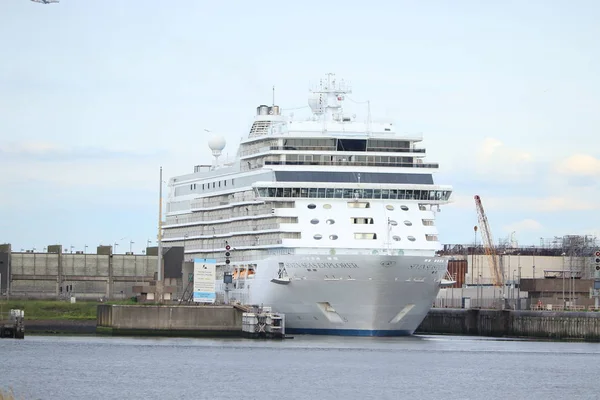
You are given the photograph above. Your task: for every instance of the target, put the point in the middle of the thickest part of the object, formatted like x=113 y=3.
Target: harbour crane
x=45 y=1
x=496 y=266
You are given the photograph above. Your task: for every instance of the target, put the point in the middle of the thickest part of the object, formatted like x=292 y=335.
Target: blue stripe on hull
x=347 y=332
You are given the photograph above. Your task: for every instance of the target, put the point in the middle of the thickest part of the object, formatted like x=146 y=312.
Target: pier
x=12 y=325
x=196 y=320
x=556 y=325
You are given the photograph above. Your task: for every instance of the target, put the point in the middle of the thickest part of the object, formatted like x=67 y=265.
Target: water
x=307 y=367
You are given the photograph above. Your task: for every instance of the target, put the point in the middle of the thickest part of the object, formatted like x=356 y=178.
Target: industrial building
x=559 y=273
x=56 y=274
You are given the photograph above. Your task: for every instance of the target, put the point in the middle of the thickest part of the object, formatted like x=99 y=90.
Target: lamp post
x=85 y=246
x=533 y=260
x=115 y=247
x=184 y=239
x=563 y=280
x=474 y=248
x=34 y=261
x=131 y=242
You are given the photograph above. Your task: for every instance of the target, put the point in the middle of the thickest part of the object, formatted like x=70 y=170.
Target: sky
x=96 y=95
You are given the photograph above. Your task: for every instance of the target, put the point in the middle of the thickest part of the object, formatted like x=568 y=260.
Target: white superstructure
x=330 y=220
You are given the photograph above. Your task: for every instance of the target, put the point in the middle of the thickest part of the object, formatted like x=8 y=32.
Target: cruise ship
x=328 y=219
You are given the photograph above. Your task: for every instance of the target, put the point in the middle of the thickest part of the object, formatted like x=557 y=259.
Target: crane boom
x=496 y=267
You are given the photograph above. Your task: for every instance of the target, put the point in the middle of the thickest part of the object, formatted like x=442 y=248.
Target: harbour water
x=306 y=367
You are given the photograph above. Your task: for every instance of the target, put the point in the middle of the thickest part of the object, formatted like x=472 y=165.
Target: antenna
x=273 y=94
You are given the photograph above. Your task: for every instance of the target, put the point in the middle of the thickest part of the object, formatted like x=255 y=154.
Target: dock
x=190 y=320
x=263 y=323
x=12 y=324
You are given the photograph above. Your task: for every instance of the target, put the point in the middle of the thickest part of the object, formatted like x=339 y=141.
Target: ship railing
x=355 y=164
x=198 y=234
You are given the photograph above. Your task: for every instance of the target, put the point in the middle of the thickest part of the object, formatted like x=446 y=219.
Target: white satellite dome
x=216 y=143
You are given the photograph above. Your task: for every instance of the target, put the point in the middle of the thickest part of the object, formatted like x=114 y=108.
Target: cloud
x=53 y=152
x=579 y=165
x=497 y=161
x=528 y=204
x=38 y=163
x=524 y=225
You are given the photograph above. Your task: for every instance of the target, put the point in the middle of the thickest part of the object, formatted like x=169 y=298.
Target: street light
x=184 y=239
x=563 y=280
x=131 y=242
x=533 y=260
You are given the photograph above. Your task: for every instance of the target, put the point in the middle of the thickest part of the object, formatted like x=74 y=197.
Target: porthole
x=330 y=222
x=411 y=238
x=327 y=206
x=396 y=238
x=312 y=206
x=404 y=208
x=333 y=237
x=392 y=222
x=390 y=207
x=318 y=237
x=407 y=223
x=314 y=221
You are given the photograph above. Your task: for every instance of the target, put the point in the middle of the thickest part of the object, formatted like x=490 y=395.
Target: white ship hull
x=358 y=295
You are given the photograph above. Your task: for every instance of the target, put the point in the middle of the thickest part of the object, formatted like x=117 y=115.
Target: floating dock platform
x=262 y=323
x=12 y=324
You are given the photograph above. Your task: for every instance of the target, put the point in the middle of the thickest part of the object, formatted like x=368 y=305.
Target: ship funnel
x=262 y=110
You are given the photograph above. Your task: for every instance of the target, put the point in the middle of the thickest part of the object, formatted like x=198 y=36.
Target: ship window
x=390 y=207
x=312 y=206
x=333 y=237
x=358 y=204
x=314 y=221
x=371 y=236
x=351 y=145
x=362 y=220
x=327 y=206
x=330 y=222
x=318 y=237
x=203 y=186
x=213 y=185
x=407 y=223
x=411 y=238
x=404 y=208
x=392 y=222
x=396 y=238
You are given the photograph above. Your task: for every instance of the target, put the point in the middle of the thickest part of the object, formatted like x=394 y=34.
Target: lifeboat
x=243 y=273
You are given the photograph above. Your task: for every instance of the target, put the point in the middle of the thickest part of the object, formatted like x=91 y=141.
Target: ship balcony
x=334 y=148
x=356 y=164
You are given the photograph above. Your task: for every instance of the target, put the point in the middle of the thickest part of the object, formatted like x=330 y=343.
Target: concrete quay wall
x=510 y=323
x=169 y=320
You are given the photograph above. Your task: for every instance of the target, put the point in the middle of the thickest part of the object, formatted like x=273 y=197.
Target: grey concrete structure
x=170 y=320
x=504 y=323
x=104 y=275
